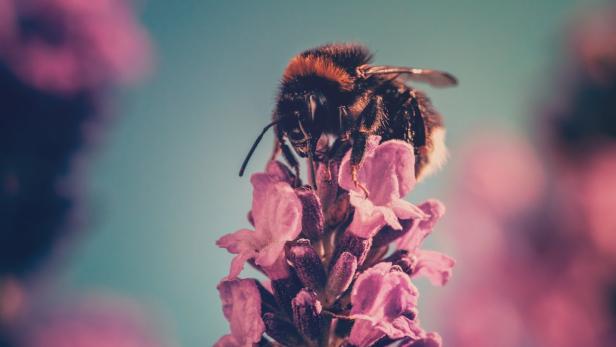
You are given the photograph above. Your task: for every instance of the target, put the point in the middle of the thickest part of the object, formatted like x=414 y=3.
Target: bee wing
x=434 y=78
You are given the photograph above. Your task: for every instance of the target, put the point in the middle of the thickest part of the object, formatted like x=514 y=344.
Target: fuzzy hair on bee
x=334 y=90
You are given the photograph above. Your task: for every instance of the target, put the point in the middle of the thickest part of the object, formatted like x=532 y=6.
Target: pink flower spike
x=388 y=173
x=277 y=216
x=384 y=301
x=434 y=265
x=241 y=305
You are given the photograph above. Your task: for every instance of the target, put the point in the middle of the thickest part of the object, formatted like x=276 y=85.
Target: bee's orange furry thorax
x=301 y=66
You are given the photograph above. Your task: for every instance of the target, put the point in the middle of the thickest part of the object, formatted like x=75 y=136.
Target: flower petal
x=269 y=254
x=236 y=242
x=435 y=266
x=280 y=172
x=227 y=341
x=283 y=214
x=237 y=264
x=382 y=296
x=367 y=219
x=241 y=305
x=406 y=210
x=344 y=172
x=277 y=215
x=411 y=241
x=241 y=243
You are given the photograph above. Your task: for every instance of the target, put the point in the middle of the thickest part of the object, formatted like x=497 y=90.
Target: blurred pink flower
x=384 y=302
x=544 y=274
x=69 y=45
x=387 y=172
x=94 y=322
x=483 y=318
x=241 y=305
x=505 y=178
x=277 y=215
x=593 y=42
x=596 y=194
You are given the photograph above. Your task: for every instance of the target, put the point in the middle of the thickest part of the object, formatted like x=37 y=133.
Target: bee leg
x=357 y=154
x=336 y=152
x=276 y=150
x=345 y=122
x=290 y=159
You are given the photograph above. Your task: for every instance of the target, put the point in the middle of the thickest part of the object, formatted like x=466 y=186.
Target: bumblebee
x=334 y=90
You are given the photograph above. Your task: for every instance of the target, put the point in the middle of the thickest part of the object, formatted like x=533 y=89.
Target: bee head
x=301 y=117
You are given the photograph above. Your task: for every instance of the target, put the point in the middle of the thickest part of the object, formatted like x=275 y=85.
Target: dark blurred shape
x=58 y=61
x=584 y=115
x=40 y=133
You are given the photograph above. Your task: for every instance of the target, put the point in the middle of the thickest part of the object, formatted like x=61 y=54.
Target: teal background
x=163 y=185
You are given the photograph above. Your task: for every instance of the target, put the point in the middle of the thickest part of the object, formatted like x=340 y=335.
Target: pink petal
x=367 y=219
x=241 y=243
x=279 y=269
x=227 y=341
x=411 y=241
x=344 y=171
x=407 y=328
x=285 y=213
x=236 y=242
x=380 y=296
x=364 y=334
x=387 y=171
x=260 y=184
x=435 y=266
x=270 y=253
x=406 y=210
x=435 y=210
x=276 y=210
x=277 y=215
x=241 y=304
x=237 y=264
x=366 y=287
x=280 y=172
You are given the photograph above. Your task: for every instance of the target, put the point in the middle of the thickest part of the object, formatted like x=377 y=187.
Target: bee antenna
x=254 y=146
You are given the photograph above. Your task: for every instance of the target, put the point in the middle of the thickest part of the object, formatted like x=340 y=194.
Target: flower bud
x=327 y=182
x=340 y=276
x=268 y=302
x=402 y=259
x=307 y=264
x=312 y=214
x=306 y=314
x=285 y=290
x=356 y=245
x=282 y=330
